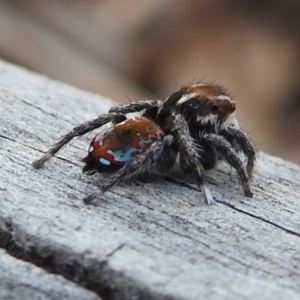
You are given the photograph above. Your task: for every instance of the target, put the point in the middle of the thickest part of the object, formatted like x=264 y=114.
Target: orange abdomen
x=113 y=147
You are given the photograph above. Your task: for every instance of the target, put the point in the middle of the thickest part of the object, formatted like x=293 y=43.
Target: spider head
x=206 y=104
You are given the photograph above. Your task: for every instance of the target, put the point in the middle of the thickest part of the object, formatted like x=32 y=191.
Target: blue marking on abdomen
x=126 y=154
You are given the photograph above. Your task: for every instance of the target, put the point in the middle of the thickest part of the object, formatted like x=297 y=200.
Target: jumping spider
x=197 y=123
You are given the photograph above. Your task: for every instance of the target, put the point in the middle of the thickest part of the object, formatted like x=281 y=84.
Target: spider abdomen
x=115 y=146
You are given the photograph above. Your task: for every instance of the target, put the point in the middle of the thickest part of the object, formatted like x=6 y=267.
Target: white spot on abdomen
x=104 y=161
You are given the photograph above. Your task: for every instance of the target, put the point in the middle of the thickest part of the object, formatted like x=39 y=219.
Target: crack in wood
x=95 y=279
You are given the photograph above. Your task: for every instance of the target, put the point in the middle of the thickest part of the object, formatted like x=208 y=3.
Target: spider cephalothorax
x=208 y=108
x=196 y=123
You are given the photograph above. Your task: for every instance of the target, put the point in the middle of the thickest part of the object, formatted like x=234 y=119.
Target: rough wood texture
x=21 y=280
x=152 y=239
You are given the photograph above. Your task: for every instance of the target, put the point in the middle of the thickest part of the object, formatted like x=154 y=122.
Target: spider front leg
x=234 y=134
x=224 y=148
x=189 y=151
x=78 y=131
x=159 y=154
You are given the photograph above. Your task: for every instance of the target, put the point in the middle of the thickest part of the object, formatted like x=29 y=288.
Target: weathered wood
x=22 y=280
x=151 y=239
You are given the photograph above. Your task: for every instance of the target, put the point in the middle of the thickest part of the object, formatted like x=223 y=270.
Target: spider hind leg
x=79 y=130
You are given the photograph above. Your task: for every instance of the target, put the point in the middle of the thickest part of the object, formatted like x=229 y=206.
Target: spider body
x=115 y=146
x=196 y=124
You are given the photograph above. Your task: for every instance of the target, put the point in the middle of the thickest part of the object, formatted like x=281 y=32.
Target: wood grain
x=150 y=239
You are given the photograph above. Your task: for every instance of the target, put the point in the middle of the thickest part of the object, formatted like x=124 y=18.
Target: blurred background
x=136 y=49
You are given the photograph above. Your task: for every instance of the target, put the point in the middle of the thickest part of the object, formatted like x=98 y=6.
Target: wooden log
x=153 y=238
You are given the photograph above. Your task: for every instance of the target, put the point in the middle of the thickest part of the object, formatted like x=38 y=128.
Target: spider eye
x=215 y=107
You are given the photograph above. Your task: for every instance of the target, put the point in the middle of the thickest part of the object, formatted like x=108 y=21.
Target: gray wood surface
x=21 y=280
x=154 y=238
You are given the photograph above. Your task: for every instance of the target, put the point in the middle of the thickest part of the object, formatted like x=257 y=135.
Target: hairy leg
x=224 y=148
x=234 y=134
x=190 y=153
x=167 y=159
x=138 y=165
x=77 y=131
x=135 y=106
